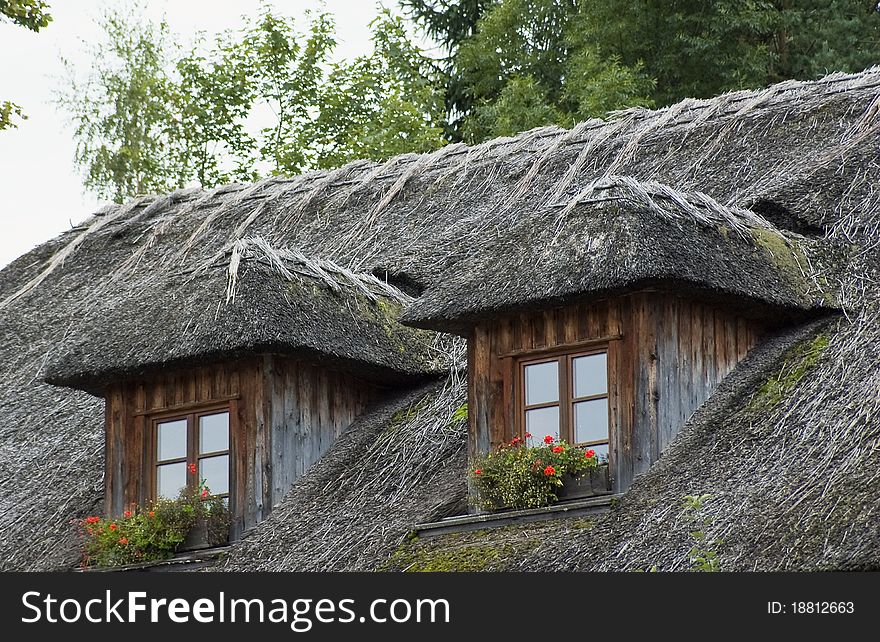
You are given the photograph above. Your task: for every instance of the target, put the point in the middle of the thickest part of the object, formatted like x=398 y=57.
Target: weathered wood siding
x=666 y=354
x=283 y=415
x=311 y=407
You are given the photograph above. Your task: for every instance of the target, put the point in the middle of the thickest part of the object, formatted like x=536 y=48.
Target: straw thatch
x=727 y=196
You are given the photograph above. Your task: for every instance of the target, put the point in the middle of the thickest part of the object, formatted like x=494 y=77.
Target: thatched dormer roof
x=765 y=197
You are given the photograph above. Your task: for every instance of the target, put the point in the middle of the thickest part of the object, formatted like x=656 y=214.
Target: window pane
x=542 y=422
x=542 y=383
x=590 y=375
x=591 y=420
x=172 y=439
x=170 y=478
x=215 y=472
x=214 y=432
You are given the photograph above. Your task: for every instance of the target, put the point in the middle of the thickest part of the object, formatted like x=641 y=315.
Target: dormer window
x=566 y=396
x=197 y=441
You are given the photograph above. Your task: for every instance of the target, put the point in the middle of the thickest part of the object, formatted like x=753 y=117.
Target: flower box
x=595 y=481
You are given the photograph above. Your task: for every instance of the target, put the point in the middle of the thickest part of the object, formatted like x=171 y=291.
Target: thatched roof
x=272 y=302
x=619 y=234
x=739 y=189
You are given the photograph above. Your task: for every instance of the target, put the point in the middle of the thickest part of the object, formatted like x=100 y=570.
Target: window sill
x=183 y=561
x=559 y=510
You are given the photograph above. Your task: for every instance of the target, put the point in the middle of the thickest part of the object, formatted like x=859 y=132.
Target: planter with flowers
x=517 y=476
x=196 y=519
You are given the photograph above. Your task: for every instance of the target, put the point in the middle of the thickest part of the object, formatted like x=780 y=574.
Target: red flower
x=113 y=527
x=192 y=468
x=126 y=514
x=152 y=513
x=549 y=471
x=590 y=453
x=558 y=449
x=123 y=540
x=92 y=520
x=204 y=493
x=478 y=472
x=548 y=439
x=528 y=435
x=515 y=441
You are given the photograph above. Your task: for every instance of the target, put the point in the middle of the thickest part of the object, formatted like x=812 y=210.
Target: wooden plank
x=730 y=343
x=508 y=396
x=132 y=449
x=743 y=344
x=526 y=337
x=114 y=453
x=627 y=367
x=709 y=352
x=671 y=371
x=698 y=395
x=550 y=337
x=614 y=407
x=304 y=402
x=481 y=402
x=569 y=318
x=500 y=430
x=564 y=347
x=325 y=427
x=190 y=394
x=538 y=329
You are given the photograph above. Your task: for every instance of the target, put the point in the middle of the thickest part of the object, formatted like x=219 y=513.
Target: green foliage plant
x=518 y=475
x=154 y=532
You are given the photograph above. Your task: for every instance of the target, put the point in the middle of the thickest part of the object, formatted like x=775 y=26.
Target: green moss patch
x=485 y=550
x=798 y=361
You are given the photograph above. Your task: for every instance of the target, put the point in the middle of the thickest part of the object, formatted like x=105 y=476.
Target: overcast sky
x=41 y=194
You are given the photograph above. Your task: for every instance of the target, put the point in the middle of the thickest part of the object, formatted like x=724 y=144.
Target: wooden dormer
x=659 y=356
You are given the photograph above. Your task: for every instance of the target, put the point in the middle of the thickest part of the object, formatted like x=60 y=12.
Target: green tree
x=532 y=63
x=382 y=104
x=211 y=101
x=30 y=14
x=123 y=113
x=150 y=117
x=449 y=23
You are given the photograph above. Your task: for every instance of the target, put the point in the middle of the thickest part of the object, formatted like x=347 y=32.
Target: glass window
x=541 y=422
x=542 y=383
x=197 y=441
x=214 y=433
x=170 y=478
x=215 y=472
x=591 y=420
x=577 y=411
x=590 y=375
x=172 y=439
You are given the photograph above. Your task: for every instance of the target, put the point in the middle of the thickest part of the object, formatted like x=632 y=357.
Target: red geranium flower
x=478 y=472
x=590 y=453
x=127 y=514
x=548 y=439
x=515 y=441
x=549 y=471
x=92 y=520
x=558 y=449
x=192 y=468
x=123 y=540
x=204 y=492
x=528 y=435
x=113 y=527
x=152 y=513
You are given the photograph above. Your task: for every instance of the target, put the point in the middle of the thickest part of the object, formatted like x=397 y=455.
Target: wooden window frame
x=563 y=357
x=192 y=444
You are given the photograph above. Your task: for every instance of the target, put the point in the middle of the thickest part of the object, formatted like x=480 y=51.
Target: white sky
x=41 y=193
